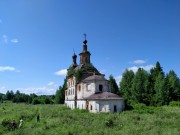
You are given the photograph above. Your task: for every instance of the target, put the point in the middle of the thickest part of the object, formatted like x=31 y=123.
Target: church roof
x=86 y=70
x=103 y=96
x=95 y=77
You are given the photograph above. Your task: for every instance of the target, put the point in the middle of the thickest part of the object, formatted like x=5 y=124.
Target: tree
x=60 y=93
x=1 y=96
x=9 y=95
x=31 y=97
x=126 y=87
x=140 y=93
x=154 y=72
x=160 y=90
x=36 y=101
x=58 y=97
x=47 y=100
x=113 y=85
x=174 y=86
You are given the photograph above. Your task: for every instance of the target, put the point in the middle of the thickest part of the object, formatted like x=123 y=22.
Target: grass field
x=59 y=120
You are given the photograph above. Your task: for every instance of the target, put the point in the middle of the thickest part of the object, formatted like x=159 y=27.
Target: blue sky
x=37 y=38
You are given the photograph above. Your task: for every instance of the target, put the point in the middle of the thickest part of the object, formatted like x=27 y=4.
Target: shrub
x=139 y=106
x=36 y=101
x=109 y=123
x=174 y=103
x=6 y=122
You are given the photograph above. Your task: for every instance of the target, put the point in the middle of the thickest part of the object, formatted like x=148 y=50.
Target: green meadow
x=59 y=120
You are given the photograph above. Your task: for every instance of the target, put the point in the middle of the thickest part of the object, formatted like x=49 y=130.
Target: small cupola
x=74 y=60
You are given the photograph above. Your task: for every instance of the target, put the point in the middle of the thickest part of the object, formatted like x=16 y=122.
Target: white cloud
x=148 y=67
x=14 y=40
x=5 y=39
x=3 y=89
x=103 y=71
x=138 y=62
x=135 y=68
x=50 y=83
x=48 y=89
x=44 y=90
x=118 y=79
x=7 y=68
x=61 y=72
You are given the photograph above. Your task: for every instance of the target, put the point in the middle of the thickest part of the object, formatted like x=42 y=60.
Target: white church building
x=88 y=89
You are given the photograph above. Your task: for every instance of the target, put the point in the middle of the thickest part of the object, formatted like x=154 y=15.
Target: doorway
x=115 y=108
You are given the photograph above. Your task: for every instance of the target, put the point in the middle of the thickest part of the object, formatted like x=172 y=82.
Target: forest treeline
x=18 y=97
x=154 y=88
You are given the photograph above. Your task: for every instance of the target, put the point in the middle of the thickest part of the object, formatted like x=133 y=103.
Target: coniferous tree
x=140 y=87
x=126 y=86
x=113 y=85
x=154 y=72
x=160 y=90
x=174 y=86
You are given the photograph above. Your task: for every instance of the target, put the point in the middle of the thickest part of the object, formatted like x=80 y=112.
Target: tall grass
x=59 y=120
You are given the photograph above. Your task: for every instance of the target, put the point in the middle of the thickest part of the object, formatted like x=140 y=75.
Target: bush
x=109 y=123
x=6 y=122
x=36 y=101
x=139 y=106
x=142 y=108
x=174 y=103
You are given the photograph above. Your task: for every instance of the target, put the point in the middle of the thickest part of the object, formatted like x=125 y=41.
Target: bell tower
x=85 y=54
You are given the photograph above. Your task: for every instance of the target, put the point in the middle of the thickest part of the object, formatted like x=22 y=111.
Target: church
x=88 y=89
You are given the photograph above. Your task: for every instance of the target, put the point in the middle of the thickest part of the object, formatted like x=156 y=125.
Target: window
x=100 y=87
x=88 y=87
x=79 y=87
x=91 y=107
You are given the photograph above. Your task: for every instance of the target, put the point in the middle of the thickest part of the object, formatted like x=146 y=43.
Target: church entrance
x=115 y=108
x=87 y=105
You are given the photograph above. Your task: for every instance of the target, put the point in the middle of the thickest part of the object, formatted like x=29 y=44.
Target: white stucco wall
x=70 y=104
x=88 y=88
x=81 y=104
x=106 y=106
x=71 y=88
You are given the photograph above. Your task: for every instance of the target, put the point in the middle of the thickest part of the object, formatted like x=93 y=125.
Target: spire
x=85 y=42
